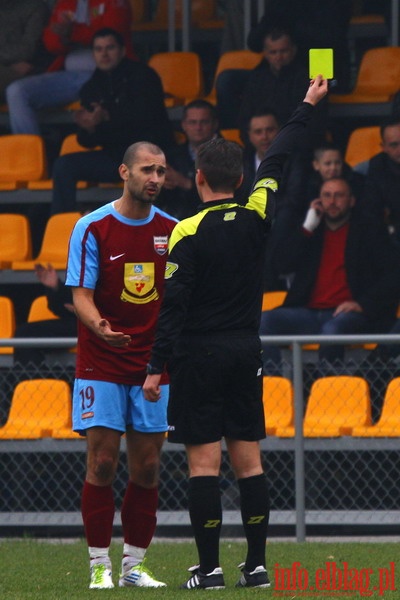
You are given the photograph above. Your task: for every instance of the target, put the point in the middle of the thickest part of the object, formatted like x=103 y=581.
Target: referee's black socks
x=205 y=512
x=254 y=504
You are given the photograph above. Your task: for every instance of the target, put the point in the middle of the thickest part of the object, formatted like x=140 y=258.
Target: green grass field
x=52 y=570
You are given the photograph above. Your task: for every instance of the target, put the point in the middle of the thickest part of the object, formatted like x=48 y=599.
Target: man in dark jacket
x=179 y=196
x=346 y=275
x=382 y=188
x=279 y=82
x=122 y=103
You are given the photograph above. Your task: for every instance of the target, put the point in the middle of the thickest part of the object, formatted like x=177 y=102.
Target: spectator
x=261 y=130
x=313 y=24
x=122 y=103
x=328 y=163
x=68 y=36
x=59 y=301
x=346 y=276
x=279 y=81
x=382 y=188
x=179 y=196
x=21 y=50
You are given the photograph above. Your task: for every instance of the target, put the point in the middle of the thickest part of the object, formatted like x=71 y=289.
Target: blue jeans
x=309 y=321
x=30 y=94
x=96 y=166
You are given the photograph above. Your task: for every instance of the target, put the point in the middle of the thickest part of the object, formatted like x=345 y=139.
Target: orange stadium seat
x=278 y=403
x=363 y=144
x=15 y=239
x=39 y=408
x=54 y=248
x=389 y=421
x=23 y=159
x=273 y=299
x=335 y=406
x=39 y=310
x=69 y=144
x=378 y=78
x=7 y=322
x=232 y=134
x=181 y=75
x=234 y=59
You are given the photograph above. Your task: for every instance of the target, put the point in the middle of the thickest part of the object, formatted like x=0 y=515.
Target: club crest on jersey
x=139 y=283
x=160 y=244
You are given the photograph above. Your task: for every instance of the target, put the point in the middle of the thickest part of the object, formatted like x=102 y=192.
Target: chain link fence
x=352 y=469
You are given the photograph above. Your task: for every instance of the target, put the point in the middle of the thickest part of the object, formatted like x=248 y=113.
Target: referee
x=208 y=333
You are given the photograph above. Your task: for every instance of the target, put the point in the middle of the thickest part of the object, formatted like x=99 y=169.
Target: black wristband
x=153 y=370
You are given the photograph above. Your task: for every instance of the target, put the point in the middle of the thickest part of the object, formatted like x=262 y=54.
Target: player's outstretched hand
x=117 y=339
x=317 y=90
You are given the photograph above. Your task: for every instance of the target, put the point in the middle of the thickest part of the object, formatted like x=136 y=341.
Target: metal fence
x=331 y=459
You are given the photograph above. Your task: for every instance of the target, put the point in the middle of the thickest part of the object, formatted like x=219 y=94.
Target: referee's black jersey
x=214 y=274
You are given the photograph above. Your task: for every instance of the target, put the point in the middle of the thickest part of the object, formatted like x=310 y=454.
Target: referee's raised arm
x=272 y=164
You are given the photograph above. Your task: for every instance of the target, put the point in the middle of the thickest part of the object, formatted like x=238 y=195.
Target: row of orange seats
x=24 y=163
x=337 y=406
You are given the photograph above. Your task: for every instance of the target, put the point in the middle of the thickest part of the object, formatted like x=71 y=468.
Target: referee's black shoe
x=257 y=578
x=204 y=581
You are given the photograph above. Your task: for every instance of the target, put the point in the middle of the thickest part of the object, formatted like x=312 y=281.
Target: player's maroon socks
x=138 y=515
x=98 y=514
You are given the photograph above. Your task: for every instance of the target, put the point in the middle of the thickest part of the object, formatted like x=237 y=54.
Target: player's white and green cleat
x=138 y=576
x=100 y=576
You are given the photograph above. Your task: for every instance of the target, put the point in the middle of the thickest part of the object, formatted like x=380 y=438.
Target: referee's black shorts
x=216 y=389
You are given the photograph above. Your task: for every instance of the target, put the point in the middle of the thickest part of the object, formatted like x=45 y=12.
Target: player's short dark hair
x=132 y=151
x=221 y=162
x=105 y=32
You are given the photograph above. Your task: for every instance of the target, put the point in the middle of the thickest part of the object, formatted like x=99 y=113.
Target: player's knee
x=104 y=469
x=147 y=475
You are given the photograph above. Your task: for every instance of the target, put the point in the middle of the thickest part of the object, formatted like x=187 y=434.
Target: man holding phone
x=345 y=276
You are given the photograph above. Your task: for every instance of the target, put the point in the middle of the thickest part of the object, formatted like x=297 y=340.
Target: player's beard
x=142 y=197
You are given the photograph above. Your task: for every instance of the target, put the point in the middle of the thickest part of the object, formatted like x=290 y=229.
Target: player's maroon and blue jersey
x=123 y=261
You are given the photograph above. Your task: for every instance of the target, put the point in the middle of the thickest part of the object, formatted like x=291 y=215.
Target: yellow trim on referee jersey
x=259 y=197
x=189 y=226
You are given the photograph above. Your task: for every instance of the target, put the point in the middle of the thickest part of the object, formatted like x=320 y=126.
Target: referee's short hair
x=221 y=162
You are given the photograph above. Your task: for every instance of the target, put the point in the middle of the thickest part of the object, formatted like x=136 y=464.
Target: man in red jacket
x=68 y=36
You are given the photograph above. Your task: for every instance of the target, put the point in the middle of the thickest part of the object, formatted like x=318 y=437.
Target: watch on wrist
x=152 y=370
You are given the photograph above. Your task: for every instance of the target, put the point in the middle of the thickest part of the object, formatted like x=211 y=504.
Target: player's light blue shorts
x=117 y=405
